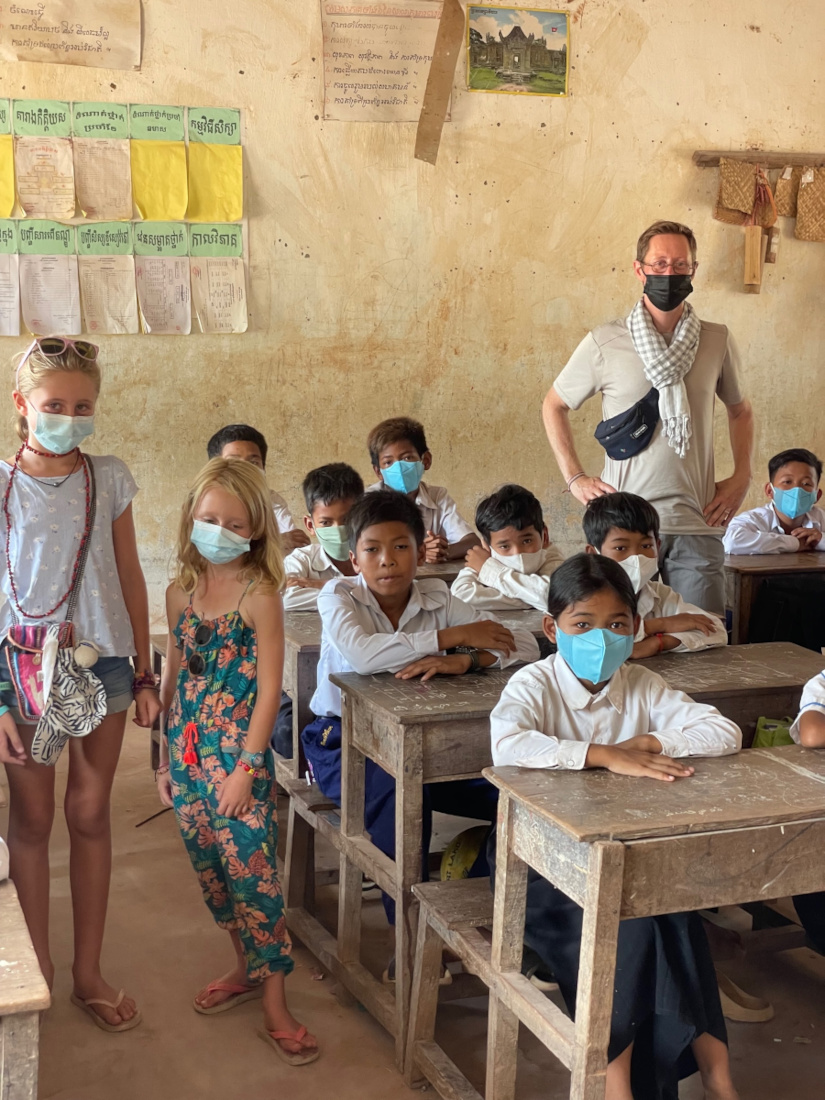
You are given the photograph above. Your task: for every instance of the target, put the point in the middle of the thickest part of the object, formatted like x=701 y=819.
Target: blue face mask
x=793 y=502
x=404 y=477
x=61 y=434
x=595 y=655
x=334 y=541
x=216 y=543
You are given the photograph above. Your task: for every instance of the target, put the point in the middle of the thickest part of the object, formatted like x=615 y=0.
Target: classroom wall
x=380 y=285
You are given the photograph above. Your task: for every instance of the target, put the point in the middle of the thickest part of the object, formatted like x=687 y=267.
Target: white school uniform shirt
x=657 y=600
x=813 y=698
x=313 y=563
x=546 y=717
x=438 y=510
x=358 y=636
x=760 y=532
x=498 y=587
x=282 y=516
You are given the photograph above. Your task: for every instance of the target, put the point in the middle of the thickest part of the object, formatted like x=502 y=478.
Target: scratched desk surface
x=302 y=629
x=443 y=698
x=752 y=788
x=812 y=562
x=738 y=668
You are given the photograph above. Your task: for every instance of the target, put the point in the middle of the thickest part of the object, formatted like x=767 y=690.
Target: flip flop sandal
x=296 y=1059
x=240 y=993
x=104 y=1025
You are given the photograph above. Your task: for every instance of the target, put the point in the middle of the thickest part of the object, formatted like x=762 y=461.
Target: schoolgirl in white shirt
x=585 y=707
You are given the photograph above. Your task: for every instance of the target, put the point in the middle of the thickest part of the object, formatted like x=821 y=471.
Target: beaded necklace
x=86 y=533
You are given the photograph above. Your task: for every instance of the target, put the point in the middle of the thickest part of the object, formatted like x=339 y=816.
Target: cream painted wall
x=380 y=286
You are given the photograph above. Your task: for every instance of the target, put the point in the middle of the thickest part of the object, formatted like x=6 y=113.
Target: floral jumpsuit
x=234 y=858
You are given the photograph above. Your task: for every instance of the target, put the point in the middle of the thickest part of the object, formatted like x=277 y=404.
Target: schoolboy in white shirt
x=384 y=620
x=511 y=569
x=400 y=457
x=790 y=522
x=625 y=527
x=330 y=492
x=248 y=444
x=584 y=707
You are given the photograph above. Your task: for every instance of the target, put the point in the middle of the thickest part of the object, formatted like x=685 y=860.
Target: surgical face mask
x=404 y=477
x=334 y=541
x=666 y=292
x=60 y=434
x=640 y=569
x=522 y=563
x=793 y=502
x=595 y=655
x=216 y=543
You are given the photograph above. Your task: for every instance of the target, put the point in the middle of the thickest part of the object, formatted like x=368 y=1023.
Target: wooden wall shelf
x=709 y=158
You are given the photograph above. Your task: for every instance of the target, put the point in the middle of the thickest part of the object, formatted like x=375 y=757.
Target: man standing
x=663 y=344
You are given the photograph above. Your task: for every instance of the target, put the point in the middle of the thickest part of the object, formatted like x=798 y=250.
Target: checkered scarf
x=665 y=368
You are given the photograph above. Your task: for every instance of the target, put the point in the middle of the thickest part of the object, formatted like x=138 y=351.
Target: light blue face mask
x=404 y=477
x=793 y=502
x=61 y=434
x=595 y=655
x=334 y=541
x=216 y=543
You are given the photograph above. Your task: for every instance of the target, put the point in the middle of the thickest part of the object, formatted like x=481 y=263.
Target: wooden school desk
x=23 y=996
x=744 y=573
x=158 y=644
x=740 y=829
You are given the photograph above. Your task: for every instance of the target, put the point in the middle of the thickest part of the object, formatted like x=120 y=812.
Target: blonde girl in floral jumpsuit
x=221 y=691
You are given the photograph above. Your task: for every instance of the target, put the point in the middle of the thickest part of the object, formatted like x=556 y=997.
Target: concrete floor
x=162 y=946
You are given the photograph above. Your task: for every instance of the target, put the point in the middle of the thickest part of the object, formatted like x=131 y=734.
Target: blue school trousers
x=475 y=798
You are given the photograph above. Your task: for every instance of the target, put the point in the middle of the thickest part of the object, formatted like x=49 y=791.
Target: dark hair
x=582 y=576
x=393 y=431
x=623 y=510
x=795 y=454
x=664 y=228
x=509 y=506
x=384 y=506
x=335 y=481
x=236 y=433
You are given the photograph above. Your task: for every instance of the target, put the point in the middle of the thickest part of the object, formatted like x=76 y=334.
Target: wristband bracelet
x=248 y=768
x=161 y=769
x=575 y=477
x=143 y=680
x=661 y=638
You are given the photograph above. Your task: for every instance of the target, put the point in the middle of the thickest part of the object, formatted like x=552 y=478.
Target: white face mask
x=640 y=569
x=521 y=563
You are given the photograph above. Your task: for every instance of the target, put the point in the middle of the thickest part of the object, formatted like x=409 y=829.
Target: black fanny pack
x=628 y=434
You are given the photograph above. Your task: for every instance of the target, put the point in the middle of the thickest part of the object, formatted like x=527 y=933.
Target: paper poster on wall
x=49 y=294
x=97 y=33
x=9 y=280
x=41 y=118
x=517 y=50
x=103 y=178
x=6 y=175
x=106 y=270
x=215 y=125
x=376 y=58
x=100 y=120
x=159 y=184
x=45 y=176
x=162 y=277
x=215 y=183
x=156 y=122
x=217 y=273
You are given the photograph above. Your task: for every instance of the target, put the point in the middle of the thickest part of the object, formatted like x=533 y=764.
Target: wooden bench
x=23 y=996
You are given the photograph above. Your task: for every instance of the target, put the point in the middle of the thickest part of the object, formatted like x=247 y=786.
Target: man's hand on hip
x=729 y=496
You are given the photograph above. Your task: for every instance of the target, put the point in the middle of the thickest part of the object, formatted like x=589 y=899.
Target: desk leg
x=305 y=678
x=352 y=825
x=18 y=1056
x=409 y=798
x=744 y=590
x=154 y=745
x=597 y=969
x=509 y=905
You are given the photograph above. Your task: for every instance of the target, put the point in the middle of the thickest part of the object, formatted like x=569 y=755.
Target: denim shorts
x=115 y=673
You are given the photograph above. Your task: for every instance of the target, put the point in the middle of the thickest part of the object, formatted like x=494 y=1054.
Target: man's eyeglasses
x=681 y=267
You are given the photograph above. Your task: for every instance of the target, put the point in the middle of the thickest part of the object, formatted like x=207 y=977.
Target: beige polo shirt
x=606 y=362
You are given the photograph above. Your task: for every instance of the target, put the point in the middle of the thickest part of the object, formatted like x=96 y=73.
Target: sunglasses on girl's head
x=53 y=346
x=203 y=636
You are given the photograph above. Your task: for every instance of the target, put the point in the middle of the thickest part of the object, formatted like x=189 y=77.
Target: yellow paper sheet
x=6 y=175
x=159 y=179
x=45 y=177
x=215 y=183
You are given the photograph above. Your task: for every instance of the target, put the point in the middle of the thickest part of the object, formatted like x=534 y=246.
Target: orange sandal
x=240 y=993
x=296 y=1059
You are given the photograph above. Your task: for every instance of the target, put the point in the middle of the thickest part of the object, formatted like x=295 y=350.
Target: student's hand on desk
x=807 y=537
x=645 y=765
x=648 y=647
x=645 y=742
x=455 y=664
x=236 y=794
x=475 y=558
x=293 y=539
x=488 y=635
x=435 y=548
x=681 y=624
x=303 y=582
